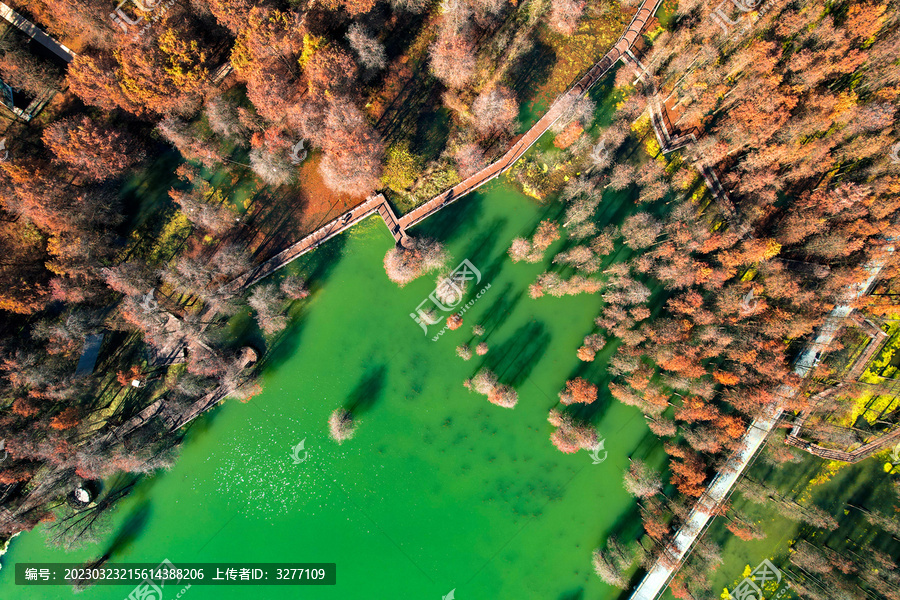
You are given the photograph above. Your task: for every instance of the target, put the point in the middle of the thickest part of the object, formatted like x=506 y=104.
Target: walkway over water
x=398 y=226
x=720 y=487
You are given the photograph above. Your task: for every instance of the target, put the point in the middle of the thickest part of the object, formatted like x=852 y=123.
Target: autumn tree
x=370 y=51
x=469 y=159
x=208 y=213
x=578 y=390
x=25 y=71
x=564 y=15
x=453 y=58
x=612 y=563
x=268 y=303
x=94 y=150
x=570 y=436
x=495 y=111
x=642 y=481
x=415 y=258
x=341 y=425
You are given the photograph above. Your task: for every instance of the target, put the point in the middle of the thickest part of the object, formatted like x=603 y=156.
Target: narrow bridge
x=35 y=32
x=312 y=241
x=398 y=226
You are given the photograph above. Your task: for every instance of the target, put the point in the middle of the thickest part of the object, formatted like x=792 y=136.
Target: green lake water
x=439 y=489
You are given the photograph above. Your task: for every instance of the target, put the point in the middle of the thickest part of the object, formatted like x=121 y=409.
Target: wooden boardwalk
x=35 y=32
x=398 y=226
x=669 y=142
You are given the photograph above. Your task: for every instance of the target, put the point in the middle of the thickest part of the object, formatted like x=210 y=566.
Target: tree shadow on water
x=480 y=247
x=449 y=222
x=129 y=531
x=573 y=595
x=367 y=392
x=514 y=360
x=501 y=308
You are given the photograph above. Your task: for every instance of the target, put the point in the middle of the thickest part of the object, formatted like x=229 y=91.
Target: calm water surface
x=439 y=489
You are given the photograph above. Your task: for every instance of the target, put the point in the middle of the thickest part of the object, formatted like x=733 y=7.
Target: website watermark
x=600 y=154
x=3 y=452
x=150 y=11
x=4 y=153
x=895 y=153
x=450 y=596
x=152 y=587
x=447 y=297
x=296 y=450
x=298 y=153
x=596 y=458
x=763 y=582
x=720 y=16
x=749 y=303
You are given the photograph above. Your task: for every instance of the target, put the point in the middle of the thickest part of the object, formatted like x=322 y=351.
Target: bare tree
x=224 y=118
x=268 y=302
x=271 y=165
x=495 y=111
x=564 y=15
x=642 y=481
x=370 y=51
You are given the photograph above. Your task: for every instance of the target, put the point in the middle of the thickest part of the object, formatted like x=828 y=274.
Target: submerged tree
x=268 y=302
x=642 y=481
x=578 y=390
x=419 y=256
x=611 y=563
x=341 y=425
x=485 y=382
x=569 y=436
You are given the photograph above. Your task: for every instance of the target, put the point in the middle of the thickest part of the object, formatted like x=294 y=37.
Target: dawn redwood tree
x=503 y=395
x=370 y=51
x=578 y=390
x=640 y=230
x=564 y=15
x=94 y=150
x=495 y=111
x=641 y=481
x=469 y=159
x=612 y=563
x=294 y=287
x=418 y=257
x=484 y=381
x=453 y=58
x=92 y=77
x=215 y=218
x=454 y=322
x=23 y=70
x=519 y=250
x=621 y=177
x=184 y=137
x=268 y=302
x=464 y=352
x=331 y=69
x=272 y=165
x=225 y=119
x=577 y=109
x=352 y=148
x=341 y=425
x=592 y=344
x=570 y=437
x=233 y=14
